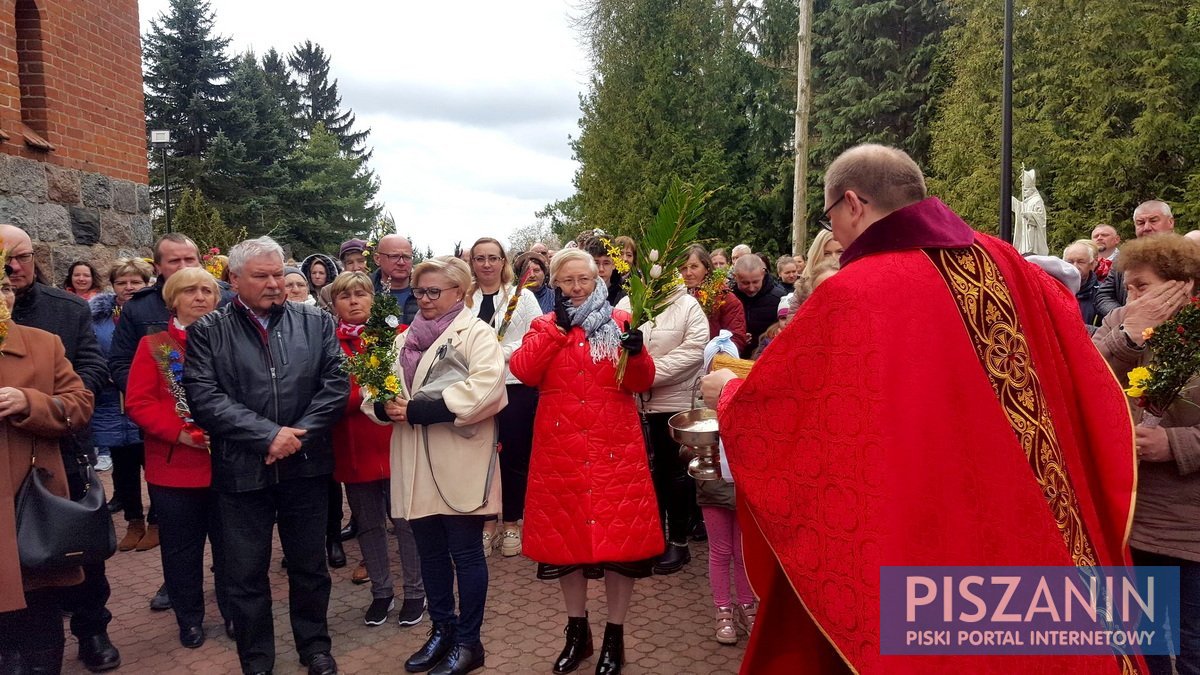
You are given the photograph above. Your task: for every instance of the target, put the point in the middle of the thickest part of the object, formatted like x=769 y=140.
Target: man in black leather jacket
x=264 y=379
x=68 y=317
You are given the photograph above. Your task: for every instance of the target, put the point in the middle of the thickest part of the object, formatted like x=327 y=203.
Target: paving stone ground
x=668 y=631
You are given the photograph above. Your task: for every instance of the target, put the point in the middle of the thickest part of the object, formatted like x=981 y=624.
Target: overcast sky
x=470 y=103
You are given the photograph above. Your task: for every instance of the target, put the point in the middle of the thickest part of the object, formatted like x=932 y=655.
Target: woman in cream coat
x=445 y=472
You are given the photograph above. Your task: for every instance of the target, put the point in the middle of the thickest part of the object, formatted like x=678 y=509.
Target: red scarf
x=348 y=331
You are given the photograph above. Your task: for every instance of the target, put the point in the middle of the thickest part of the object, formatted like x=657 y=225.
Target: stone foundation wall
x=74 y=215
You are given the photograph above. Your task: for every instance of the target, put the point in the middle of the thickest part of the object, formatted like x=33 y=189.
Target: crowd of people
x=223 y=386
x=226 y=387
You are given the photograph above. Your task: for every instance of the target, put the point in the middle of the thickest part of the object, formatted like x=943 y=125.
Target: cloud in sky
x=471 y=104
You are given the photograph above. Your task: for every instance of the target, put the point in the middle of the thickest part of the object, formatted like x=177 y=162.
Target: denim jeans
x=450 y=547
x=1188 y=660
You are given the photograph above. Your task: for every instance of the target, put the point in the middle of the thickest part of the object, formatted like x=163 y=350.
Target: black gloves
x=560 y=311
x=631 y=340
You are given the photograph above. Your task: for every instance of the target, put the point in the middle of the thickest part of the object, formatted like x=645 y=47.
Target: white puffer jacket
x=527 y=310
x=676 y=342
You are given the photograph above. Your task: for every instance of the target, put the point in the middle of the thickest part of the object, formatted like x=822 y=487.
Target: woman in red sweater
x=362 y=460
x=178 y=465
x=723 y=308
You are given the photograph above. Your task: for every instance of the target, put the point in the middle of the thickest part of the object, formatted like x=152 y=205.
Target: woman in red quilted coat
x=590 y=509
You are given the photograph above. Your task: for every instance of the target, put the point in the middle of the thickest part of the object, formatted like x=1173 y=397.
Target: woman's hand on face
x=397 y=410
x=1156 y=306
x=13 y=402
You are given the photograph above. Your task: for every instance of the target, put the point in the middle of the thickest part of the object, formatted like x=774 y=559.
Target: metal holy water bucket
x=697 y=431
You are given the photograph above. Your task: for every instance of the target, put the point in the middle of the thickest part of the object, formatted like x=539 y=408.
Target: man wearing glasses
x=394 y=256
x=1149 y=218
x=943 y=425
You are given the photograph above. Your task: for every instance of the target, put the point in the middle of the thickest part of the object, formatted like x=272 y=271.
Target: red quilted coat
x=590 y=498
x=362 y=449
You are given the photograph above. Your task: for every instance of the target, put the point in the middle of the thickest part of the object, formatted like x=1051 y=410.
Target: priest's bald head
x=866 y=183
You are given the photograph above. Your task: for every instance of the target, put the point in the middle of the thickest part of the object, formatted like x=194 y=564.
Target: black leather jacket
x=145 y=313
x=243 y=383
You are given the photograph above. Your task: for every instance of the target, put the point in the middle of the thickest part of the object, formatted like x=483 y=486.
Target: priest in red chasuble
x=937 y=402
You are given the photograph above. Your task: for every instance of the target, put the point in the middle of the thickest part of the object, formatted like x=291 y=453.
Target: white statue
x=1029 y=217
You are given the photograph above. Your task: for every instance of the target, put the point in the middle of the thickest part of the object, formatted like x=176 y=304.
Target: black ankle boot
x=579 y=644
x=441 y=639
x=333 y=551
x=612 y=650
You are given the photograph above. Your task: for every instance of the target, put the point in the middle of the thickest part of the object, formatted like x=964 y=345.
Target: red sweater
x=362 y=449
x=150 y=404
x=731 y=316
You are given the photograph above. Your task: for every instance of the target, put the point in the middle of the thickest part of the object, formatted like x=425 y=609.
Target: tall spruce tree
x=281 y=82
x=320 y=102
x=1104 y=101
x=186 y=73
x=330 y=196
x=678 y=90
x=874 y=78
x=246 y=168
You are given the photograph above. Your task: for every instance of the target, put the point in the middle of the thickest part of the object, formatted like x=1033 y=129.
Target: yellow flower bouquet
x=374 y=365
x=1174 y=360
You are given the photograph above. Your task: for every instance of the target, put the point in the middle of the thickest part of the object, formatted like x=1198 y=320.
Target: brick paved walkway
x=668 y=630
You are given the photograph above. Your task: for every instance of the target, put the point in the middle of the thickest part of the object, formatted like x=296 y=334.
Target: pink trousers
x=724 y=549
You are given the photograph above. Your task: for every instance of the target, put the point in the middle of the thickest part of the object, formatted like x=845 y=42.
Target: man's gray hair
x=741 y=249
x=1154 y=204
x=247 y=250
x=748 y=264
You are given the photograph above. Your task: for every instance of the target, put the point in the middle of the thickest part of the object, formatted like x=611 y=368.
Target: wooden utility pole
x=803 y=102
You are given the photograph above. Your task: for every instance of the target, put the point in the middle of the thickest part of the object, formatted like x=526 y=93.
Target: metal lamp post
x=1006 y=206
x=161 y=139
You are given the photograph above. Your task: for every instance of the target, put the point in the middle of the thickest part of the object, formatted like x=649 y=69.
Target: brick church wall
x=72 y=130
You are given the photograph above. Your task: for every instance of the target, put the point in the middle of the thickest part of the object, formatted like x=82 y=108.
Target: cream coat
x=452 y=472
x=675 y=340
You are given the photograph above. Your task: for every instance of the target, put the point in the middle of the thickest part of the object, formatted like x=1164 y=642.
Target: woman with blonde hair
x=824 y=248
x=113 y=432
x=445 y=472
x=490 y=295
x=591 y=510
x=178 y=462
x=362 y=460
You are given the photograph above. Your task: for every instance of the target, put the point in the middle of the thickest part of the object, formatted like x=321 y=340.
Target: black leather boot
x=333 y=549
x=350 y=531
x=579 y=644
x=612 y=650
x=98 y=653
x=673 y=560
x=441 y=639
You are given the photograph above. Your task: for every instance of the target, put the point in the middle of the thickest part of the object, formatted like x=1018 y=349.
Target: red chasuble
x=937 y=402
